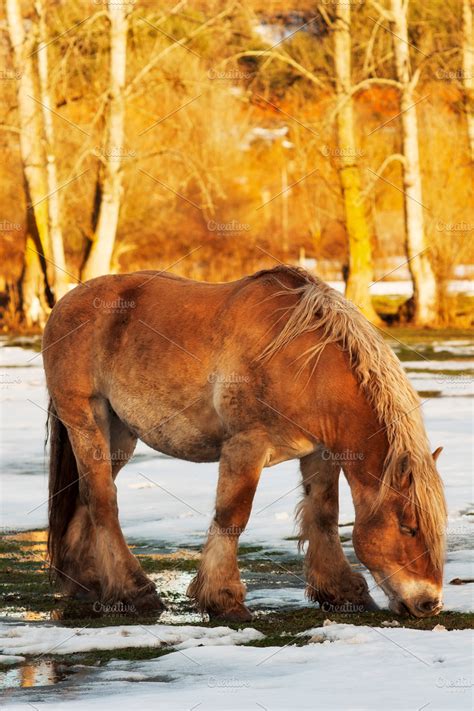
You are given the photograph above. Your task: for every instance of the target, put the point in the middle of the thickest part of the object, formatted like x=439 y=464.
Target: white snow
x=46 y=639
x=348 y=668
x=8 y=659
x=404 y=287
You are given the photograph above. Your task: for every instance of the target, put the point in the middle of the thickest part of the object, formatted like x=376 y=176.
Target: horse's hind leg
x=330 y=579
x=79 y=539
x=95 y=437
x=217 y=588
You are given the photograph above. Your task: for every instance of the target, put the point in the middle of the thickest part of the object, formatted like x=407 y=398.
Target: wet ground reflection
x=29 y=675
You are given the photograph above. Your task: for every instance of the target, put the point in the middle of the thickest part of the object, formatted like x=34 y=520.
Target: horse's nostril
x=428 y=605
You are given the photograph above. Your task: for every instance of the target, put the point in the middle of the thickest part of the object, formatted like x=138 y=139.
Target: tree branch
x=179 y=43
x=370 y=47
x=390 y=159
x=382 y=10
x=7 y=127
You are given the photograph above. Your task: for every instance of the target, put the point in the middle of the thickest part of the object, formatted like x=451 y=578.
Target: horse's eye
x=408 y=531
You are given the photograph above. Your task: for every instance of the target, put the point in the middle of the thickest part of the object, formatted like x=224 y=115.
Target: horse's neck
x=359 y=440
x=364 y=469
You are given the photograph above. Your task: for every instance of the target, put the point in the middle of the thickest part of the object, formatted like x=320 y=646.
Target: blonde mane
x=382 y=379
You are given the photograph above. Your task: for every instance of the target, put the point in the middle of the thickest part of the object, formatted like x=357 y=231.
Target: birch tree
x=110 y=188
x=53 y=204
x=468 y=69
x=35 y=293
x=424 y=283
x=358 y=232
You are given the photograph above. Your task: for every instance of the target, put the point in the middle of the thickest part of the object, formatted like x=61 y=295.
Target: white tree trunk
x=468 y=69
x=34 y=280
x=358 y=232
x=100 y=255
x=424 y=284
x=54 y=220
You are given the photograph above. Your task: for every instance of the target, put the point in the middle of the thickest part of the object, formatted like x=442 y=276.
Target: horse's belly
x=198 y=449
x=193 y=432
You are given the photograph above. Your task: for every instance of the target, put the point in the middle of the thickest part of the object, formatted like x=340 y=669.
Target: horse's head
x=401 y=540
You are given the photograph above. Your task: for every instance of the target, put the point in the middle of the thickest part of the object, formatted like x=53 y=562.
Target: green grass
x=291 y=622
x=152 y=565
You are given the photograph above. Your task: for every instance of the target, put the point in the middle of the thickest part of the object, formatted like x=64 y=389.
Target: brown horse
x=272 y=367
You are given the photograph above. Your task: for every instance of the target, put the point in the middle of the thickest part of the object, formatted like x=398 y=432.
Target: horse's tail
x=63 y=489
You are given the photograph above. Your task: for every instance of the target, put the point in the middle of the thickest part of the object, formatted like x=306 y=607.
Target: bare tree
x=110 y=189
x=424 y=283
x=358 y=232
x=53 y=205
x=34 y=285
x=468 y=69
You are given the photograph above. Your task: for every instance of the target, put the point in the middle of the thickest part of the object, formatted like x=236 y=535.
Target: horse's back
x=104 y=307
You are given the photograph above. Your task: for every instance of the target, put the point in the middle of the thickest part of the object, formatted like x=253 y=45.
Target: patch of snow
x=356 y=668
x=405 y=287
x=46 y=639
x=433 y=365
x=275 y=597
x=7 y=659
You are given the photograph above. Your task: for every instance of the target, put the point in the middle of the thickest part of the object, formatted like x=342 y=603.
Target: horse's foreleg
x=217 y=588
x=330 y=579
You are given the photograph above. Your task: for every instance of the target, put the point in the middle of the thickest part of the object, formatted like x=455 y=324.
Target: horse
x=272 y=367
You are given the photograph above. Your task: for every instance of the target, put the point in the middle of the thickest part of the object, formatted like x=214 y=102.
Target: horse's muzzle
x=421 y=607
x=428 y=606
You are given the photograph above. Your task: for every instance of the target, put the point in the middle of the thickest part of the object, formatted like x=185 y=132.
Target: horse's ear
x=403 y=471
x=436 y=453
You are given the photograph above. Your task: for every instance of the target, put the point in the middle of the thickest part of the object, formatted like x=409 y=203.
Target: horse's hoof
x=149 y=602
x=239 y=613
